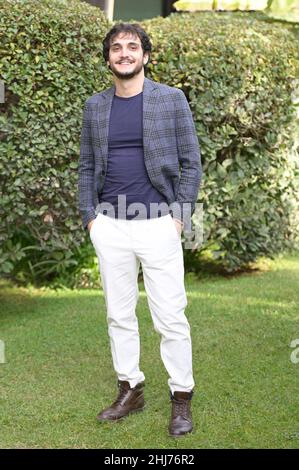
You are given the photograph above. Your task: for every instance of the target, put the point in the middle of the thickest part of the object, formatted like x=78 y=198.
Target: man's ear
x=145 y=59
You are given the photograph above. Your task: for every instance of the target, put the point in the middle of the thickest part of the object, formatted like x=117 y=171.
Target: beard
x=126 y=75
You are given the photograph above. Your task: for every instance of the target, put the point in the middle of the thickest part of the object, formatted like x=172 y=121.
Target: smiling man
x=139 y=170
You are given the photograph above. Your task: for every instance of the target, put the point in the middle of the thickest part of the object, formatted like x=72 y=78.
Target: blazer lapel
x=104 y=109
x=150 y=103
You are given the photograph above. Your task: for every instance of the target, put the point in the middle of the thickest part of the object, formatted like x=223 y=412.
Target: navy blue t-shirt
x=126 y=171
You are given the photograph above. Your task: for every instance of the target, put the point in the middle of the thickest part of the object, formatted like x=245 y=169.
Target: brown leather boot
x=181 y=418
x=129 y=400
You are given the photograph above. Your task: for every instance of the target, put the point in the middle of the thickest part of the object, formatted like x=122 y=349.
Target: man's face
x=126 y=58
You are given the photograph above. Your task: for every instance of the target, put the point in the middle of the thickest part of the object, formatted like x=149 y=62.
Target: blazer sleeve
x=86 y=170
x=189 y=157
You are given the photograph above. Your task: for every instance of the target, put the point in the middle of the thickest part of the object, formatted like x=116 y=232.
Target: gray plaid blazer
x=171 y=149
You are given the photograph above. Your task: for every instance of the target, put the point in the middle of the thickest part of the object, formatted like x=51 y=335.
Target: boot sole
x=180 y=435
x=109 y=420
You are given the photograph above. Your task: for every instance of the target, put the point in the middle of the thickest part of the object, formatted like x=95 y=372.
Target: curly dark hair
x=133 y=28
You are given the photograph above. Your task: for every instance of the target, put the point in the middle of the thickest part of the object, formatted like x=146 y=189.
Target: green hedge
x=239 y=75
x=50 y=61
x=239 y=87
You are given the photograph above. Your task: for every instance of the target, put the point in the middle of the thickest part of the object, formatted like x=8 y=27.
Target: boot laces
x=181 y=407
x=121 y=395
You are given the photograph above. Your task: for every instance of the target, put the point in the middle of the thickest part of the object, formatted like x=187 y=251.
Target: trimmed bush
x=50 y=62
x=239 y=75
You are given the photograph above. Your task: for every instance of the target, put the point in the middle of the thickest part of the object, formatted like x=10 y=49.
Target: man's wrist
x=89 y=224
x=179 y=221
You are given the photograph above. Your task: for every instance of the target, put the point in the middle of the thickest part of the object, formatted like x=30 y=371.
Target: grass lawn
x=58 y=372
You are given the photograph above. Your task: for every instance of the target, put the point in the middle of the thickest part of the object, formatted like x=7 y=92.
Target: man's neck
x=127 y=88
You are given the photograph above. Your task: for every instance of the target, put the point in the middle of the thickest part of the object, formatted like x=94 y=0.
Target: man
x=139 y=166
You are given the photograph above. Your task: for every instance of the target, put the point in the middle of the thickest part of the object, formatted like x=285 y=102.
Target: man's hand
x=90 y=224
x=179 y=226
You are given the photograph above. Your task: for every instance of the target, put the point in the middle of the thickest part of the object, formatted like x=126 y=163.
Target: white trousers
x=121 y=245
